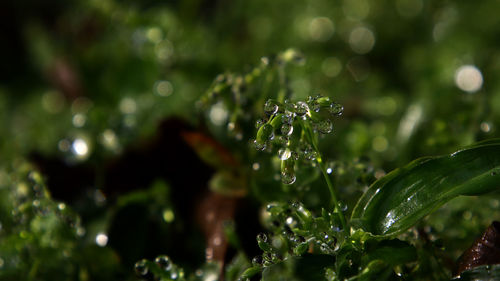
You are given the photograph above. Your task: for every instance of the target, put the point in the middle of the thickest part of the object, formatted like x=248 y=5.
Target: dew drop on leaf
x=287 y=129
x=315 y=106
x=284 y=153
x=262 y=237
x=310 y=154
x=259 y=146
x=270 y=107
x=288 y=177
x=257 y=261
x=163 y=262
x=141 y=267
x=325 y=126
x=342 y=206
x=283 y=140
x=287 y=118
x=266 y=132
x=259 y=123
x=336 y=109
x=302 y=108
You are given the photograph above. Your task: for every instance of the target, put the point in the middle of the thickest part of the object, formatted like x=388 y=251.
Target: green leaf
x=392 y=252
x=375 y=270
x=403 y=197
x=248 y=273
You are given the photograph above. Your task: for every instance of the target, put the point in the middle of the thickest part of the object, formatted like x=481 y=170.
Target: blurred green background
x=94 y=94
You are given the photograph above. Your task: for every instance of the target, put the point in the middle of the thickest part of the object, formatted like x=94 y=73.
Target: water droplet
x=342 y=206
x=315 y=106
x=287 y=129
x=270 y=107
x=141 y=267
x=262 y=237
x=283 y=140
x=174 y=275
x=259 y=146
x=287 y=118
x=329 y=170
x=330 y=274
x=336 y=109
x=257 y=261
x=325 y=126
x=301 y=108
x=284 y=153
x=265 y=133
x=310 y=154
x=163 y=262
x=288 y=177
x=299 y=239
x=259 y=123
x=289 y=106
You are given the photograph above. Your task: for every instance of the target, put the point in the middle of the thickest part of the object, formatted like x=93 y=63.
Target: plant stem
x=313 y=140
x=332 y=191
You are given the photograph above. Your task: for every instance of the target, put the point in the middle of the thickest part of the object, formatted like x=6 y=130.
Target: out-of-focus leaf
x=229 y=184
x=209 y=150
x=403 y=197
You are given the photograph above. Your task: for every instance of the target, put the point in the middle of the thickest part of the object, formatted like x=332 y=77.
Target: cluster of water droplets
x=31 y=213
x=229 y=101
x=296 y=231
x=283 y=125
x=161 y=269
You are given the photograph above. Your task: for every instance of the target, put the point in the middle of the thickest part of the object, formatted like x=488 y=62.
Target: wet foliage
x=249 y=140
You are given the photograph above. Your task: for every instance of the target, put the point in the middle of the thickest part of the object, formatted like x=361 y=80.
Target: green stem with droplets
x=313 y=140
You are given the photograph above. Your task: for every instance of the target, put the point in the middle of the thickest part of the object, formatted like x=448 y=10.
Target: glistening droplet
x=284 y=153
x=315 y=106
x=257 y=261
x=342 y=206
x=265 y=133
x=163 y=262
x=288 y=177
x=286 y=129
x=301 y=108
x=259 y=123
x=270 y=107
x=262 y=237
x=141 y=267
x=325 y=126
x=259 y=146
x=336 y=109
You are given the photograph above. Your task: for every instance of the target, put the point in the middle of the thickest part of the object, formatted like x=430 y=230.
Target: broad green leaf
x=397 y=201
